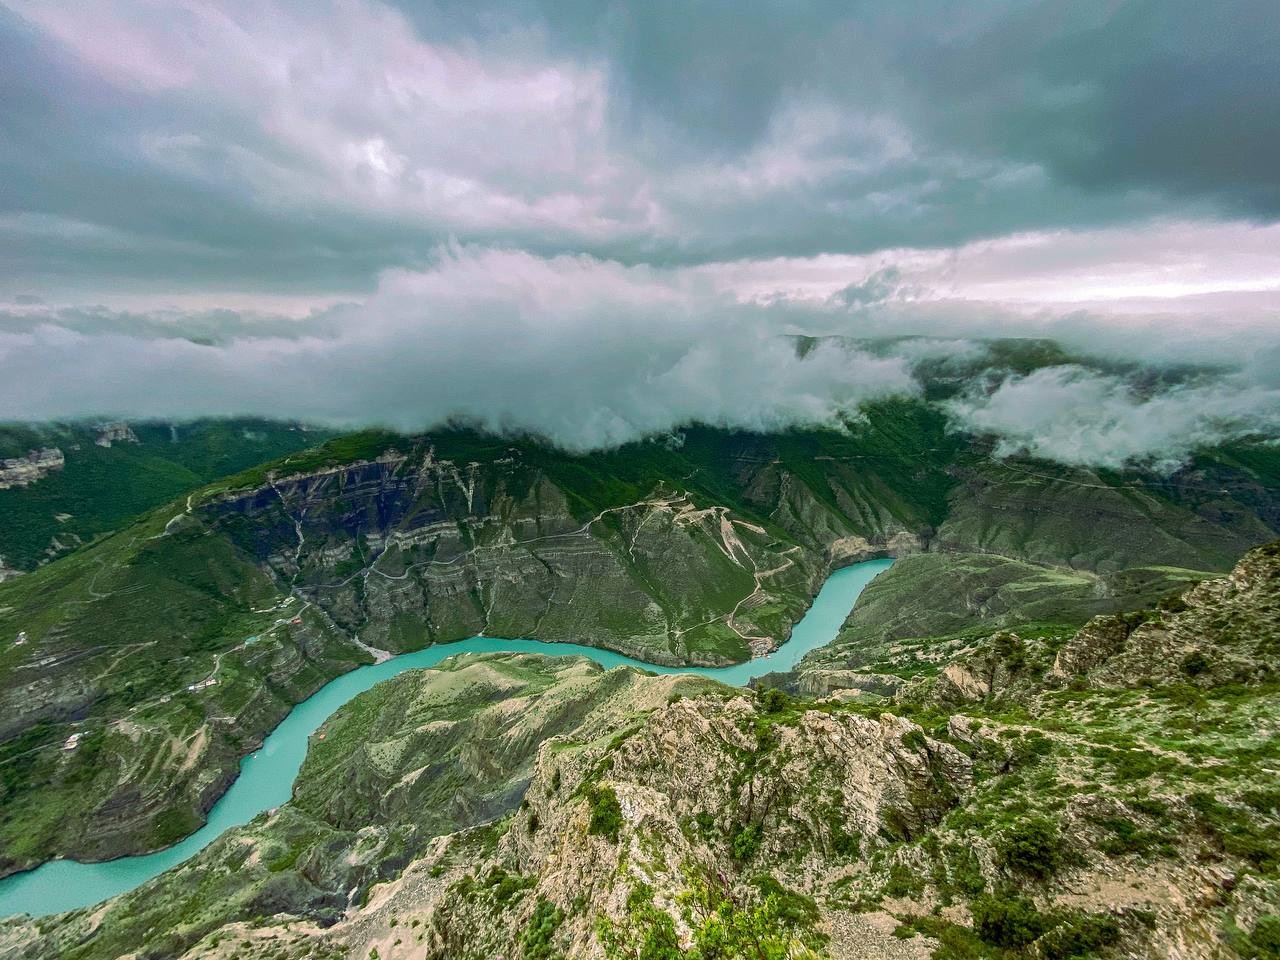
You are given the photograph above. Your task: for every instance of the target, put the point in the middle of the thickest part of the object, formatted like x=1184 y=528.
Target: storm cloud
x=601 y=221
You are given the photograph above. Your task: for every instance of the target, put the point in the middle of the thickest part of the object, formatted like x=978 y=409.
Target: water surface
x=267 y=775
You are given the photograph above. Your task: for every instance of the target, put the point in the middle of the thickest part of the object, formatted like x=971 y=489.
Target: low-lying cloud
x=585 y=352
x=591 y=353
x=1080 y=417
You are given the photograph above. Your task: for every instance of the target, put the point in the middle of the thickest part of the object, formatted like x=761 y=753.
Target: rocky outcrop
x=1221 y=631
x=115 y=432
x=24 y=471
x=706 y=788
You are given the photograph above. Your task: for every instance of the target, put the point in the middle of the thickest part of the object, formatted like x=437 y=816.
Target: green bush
x=965 y=870
x=1128 y=837
x=606 y=813
x=954 y=941
x=1194 y=663
x=1079 y=935
x=773 y=700
x=903 y=882
x=1008 y=921
x=1033 y=847
x=537 y=941
x=745 y=842
x=793 y=909
x=1012 y=650
x=504 y=887
x=1265 y=939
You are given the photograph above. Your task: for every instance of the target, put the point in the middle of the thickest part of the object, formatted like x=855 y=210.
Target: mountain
x=701 y=548
x=1107 y=793
x=70 y=482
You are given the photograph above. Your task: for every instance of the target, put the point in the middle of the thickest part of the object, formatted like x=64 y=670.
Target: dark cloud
x=298 y=147
x=598 y=220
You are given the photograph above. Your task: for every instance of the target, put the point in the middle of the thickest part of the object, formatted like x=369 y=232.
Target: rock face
x=23 y=471
x=406 y=551
x=116 y=432
x=1222 y=631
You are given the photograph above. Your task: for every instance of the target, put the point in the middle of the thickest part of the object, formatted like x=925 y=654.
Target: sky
x=599 y=221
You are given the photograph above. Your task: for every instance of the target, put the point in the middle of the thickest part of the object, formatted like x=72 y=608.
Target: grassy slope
x=902 y=613
x=105 y=488
x=103 y=647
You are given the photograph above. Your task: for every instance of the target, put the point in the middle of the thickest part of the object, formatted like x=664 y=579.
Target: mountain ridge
x=440 y=540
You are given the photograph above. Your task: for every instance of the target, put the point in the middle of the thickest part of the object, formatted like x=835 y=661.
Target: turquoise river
x=267 y=775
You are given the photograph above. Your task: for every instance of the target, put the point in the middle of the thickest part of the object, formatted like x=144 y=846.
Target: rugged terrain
x=174 y=645
x=1103 y=792
x=61 y=485
x=918 y=613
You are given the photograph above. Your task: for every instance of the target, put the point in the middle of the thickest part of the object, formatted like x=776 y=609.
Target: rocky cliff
x=23 y=471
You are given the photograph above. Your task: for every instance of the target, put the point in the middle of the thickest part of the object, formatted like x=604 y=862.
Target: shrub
x=537 y=941
x=903 y=882
x=954 y=941
x=843 y=844
x=1194 y=663
x=1079 y=935
x=1032 y=846
x=1012 y=650
x=505 y=887
x=1008 y=921
x=745 y=842
x=1264 y=942
x=644 y=930
x=606 y=813
x=773 y=700
x=1127 y=837
x=965 y=870
x=793 y=909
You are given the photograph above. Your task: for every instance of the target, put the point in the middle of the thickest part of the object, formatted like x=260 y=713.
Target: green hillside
x=102 y=488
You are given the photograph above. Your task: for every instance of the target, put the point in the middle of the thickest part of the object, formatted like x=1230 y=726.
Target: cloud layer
x=290 y=145
x=591 y=353
x=600 y=221
x=1079 y=417
x=587 y=352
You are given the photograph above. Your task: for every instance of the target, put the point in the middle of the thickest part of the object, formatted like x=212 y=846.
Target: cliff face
x=1031 y=799
x=406 y=551
x=22 y=471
